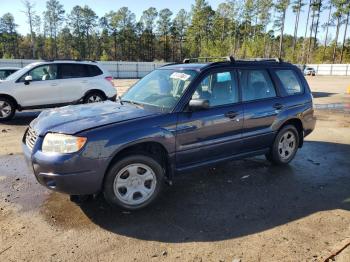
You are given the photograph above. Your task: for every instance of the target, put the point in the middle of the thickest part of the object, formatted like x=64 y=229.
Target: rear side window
x=256 y=84
x=73 y=71
x=290 y=81
x=94 y=70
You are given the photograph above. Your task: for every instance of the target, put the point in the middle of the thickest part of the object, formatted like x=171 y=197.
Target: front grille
x=31 y=138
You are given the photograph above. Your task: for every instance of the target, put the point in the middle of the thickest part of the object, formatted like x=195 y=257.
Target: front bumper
x=72 y=174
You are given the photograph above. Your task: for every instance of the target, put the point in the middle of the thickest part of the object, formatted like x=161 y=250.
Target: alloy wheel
x=287 y=145
x=94 y=99
x=135 y=184
x=5 y=109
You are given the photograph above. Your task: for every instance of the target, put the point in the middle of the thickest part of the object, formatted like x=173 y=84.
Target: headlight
x=60 y=143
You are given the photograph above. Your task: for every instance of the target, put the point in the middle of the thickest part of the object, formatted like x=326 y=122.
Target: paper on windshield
x=181 y=76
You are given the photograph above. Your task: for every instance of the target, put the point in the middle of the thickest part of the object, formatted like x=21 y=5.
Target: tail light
x=110 y=80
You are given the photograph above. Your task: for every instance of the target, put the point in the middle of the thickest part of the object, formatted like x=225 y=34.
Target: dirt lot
x=246 y=210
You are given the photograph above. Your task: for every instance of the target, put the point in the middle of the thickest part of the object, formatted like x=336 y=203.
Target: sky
x=101 y=7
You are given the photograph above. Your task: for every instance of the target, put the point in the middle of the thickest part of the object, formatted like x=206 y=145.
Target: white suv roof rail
x=74 y=60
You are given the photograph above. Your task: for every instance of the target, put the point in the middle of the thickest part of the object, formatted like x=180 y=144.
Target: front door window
x=218 y=88
x=42 y=73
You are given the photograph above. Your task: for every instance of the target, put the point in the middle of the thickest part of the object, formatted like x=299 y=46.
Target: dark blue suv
x=177 y=118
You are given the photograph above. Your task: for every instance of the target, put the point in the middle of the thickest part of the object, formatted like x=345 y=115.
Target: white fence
x=331 y=69
x=120 y=69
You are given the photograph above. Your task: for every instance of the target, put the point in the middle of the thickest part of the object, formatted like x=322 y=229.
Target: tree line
x=242 y=28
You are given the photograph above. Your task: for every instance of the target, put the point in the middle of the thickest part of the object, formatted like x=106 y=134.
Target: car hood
x=76 y=118
x=3 y=82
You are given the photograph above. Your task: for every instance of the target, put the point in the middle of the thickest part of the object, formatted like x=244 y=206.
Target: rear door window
x=290 y=81
x=73 y=71
x=256 y=85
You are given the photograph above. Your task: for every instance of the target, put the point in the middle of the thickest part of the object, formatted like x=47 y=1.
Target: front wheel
x=7 y=109
x=285 y=146
x=134 y=182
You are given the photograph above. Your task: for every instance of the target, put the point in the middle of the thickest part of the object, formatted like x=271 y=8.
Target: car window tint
x=218 y=88
x=94 y=70
x=7 y=73
x=42 y=73
x=3 y=74
x=73 y=71
x=256 y=84
x=289 y=81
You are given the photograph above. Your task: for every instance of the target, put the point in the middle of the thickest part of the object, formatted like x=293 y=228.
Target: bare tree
x=53 y=16
x=337 y=16
x=311 y=29
x=31 y=16
x=306 y=28
x=281 y=9
x=347 y=10
x=297 y=6
x=318 y=14
x=264 y=9
x=327 y=27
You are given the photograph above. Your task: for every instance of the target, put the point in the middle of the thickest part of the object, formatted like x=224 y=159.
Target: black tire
x=9 y=103
x=275 y=155
x=109 y=192
x=92 y=96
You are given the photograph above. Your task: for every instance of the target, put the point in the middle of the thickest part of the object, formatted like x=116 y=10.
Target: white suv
x=52 y=84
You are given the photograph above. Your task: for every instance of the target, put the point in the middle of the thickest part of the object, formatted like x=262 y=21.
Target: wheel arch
x=298 y=124
x=12 y=99
x=151 y=148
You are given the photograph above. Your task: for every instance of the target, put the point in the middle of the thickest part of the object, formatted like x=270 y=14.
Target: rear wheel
x=134 y=182
x=94 y=97
x=285 y=146
x=7 y=109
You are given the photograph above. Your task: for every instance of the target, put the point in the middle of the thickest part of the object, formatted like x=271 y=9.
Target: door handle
x=54 y=84
x=84 y=81
x=231 y=114
x=278 y=106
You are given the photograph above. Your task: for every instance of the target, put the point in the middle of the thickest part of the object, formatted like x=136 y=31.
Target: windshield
x=161 y=88
x=19 y=73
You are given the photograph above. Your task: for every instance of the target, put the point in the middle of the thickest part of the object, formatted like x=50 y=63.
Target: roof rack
x=208 y=59
x=258 y=59
x=230 y=59
x=67 y=59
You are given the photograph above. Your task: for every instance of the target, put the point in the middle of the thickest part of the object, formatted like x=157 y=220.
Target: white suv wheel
x=7 y=109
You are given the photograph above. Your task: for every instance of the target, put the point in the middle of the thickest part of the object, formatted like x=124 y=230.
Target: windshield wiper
x=132 y=102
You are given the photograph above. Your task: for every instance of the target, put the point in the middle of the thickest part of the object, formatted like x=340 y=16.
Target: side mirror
x=198 y=104
x=28 y=79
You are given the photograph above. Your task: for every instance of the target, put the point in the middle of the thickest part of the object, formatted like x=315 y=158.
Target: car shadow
x=237 y=199
x=22 y=118
x=322 y=94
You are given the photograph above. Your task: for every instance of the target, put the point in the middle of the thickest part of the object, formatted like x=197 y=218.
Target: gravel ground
x=246 y=209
